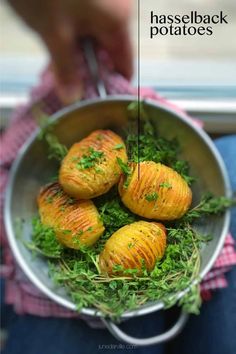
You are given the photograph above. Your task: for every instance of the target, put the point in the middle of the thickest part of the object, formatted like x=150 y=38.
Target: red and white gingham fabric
x=19 y=292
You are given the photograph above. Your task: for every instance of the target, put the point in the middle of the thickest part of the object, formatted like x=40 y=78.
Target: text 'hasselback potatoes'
x=133 y=246
x=155 y=191
x=90 y=168
x=75 y=222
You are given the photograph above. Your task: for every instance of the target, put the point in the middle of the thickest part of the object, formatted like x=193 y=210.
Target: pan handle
x=91 y=60
x=160 y=338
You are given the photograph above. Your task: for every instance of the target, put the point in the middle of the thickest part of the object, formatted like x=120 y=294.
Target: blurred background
x=196 y=72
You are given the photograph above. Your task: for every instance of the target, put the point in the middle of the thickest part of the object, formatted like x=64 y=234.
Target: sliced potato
x=155 y=191
x=90 y=168
x=76 y=222
x=134 y=246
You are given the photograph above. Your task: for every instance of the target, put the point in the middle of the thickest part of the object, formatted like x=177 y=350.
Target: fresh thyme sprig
x=209 y=205
x=44 y=240
x=56 y=150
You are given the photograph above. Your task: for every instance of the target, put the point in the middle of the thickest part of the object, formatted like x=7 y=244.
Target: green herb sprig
x=209 y=205
x=56 y=150
x=151 y=197
x=89 y=160
x=44 y=240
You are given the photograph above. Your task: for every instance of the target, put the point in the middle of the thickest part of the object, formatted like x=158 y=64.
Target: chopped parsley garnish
x=130 y=245
x=98 y=170
x=118 y=147
x=49 y=199
x=90 y=160
x=100 y=137
x=66 y=232
x=165 y=185
x=151 y=197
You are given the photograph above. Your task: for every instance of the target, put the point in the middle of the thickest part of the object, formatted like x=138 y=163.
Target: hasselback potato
x=155 y=191
x=133 y=246
x=76 y=222
x=91 y=168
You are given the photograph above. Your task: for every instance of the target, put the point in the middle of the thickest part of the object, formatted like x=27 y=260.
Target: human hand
x=61 y=23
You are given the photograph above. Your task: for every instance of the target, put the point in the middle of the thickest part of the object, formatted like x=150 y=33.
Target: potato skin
x=131 y=245
x=150 y=179
x=76 y=222
x=96 y=180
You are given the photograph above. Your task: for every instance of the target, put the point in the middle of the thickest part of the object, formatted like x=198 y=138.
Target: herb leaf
x=44 y=239
x=151 y=197
x=90 y=160
x=209 y=205
x=124 y=167
x=57 y=150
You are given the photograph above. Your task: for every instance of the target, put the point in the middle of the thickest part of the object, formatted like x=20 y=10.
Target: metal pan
x=32 y=169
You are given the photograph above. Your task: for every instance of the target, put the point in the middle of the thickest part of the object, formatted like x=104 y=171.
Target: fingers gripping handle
x=164 y=337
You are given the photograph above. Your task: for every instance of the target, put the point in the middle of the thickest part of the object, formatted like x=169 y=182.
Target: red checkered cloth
x=19 y=292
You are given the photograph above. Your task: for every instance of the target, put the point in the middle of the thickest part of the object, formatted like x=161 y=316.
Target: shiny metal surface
x=160 y=338
x=32 y=169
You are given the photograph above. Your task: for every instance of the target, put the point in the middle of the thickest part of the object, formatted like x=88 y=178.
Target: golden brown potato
x=76 y=222
x=155 y=191
x=90 y=168
x=134 y=246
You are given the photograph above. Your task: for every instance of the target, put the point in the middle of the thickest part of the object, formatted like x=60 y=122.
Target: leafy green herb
x=57 y=150
x=165 y=185
x=44 y=240
x=124 y=167
x=100 y=137
x=118 y=147
x=49 y=199
x=90 y=160
x=151 y=197
x=209 y=205
x=98 y=170
x=182 y=167
x=130 y=245
x=113 y=214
